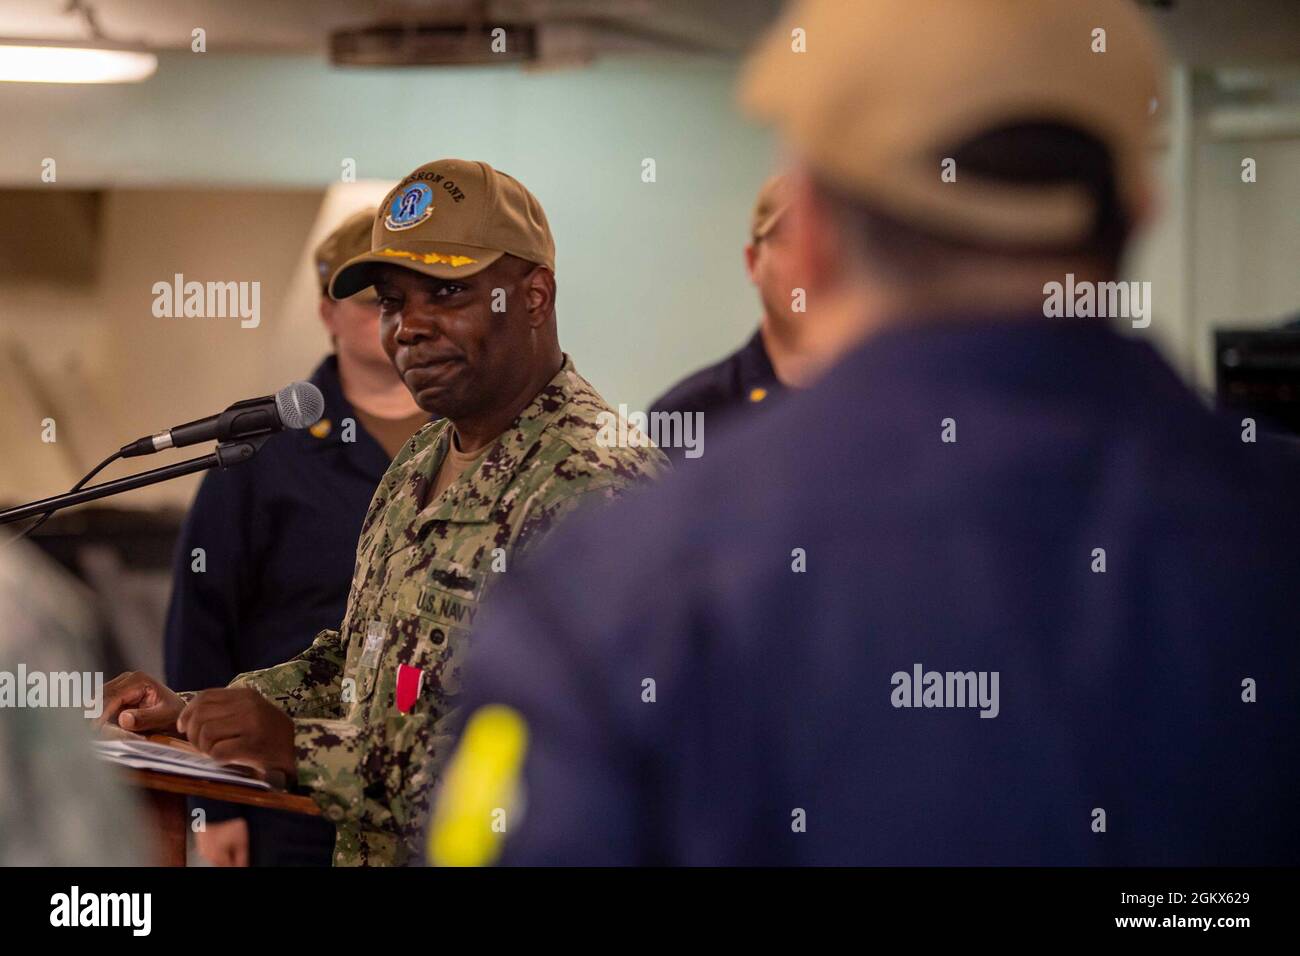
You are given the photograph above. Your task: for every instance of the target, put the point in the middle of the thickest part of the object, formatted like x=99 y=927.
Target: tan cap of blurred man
x=971 y=144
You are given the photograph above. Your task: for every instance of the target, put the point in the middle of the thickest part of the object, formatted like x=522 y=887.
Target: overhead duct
x=538 y=34
x=435 y=44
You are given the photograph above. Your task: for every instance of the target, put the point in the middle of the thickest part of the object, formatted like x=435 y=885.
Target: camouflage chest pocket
x=431 y=624
x=361 y=666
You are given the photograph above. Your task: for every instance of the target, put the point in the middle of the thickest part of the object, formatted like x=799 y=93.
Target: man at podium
x=463 y=262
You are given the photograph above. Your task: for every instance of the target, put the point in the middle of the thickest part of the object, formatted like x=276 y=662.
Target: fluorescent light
x=25 y=61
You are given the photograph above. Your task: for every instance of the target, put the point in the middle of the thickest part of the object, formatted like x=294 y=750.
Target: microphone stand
x=228 y=453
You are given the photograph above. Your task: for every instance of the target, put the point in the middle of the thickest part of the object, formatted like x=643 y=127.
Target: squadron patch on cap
x=410 y=207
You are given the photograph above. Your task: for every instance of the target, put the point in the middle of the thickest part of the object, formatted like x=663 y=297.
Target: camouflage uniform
x=420 y=577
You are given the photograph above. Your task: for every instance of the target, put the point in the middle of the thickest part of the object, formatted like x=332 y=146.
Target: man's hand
x=237 y=725
x=139 y=703
x=224 y=843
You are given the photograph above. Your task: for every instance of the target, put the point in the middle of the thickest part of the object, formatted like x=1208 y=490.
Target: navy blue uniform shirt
x=724 y=391
x=279 y=536
x=1120 y=731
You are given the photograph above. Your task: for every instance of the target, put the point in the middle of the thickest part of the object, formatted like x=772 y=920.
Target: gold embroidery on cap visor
x=359 y=273
x=428 y=258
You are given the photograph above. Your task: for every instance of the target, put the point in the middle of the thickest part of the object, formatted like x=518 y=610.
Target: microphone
x=297 y=405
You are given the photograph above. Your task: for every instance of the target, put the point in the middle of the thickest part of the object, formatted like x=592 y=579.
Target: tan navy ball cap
x=451 y=218
x=773 y=199
x=350 y=239
x=884 y=87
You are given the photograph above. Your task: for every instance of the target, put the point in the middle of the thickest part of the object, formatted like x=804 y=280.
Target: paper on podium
x=176 y=757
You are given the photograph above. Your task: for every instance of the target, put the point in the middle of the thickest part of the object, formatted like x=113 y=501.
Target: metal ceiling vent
x=458 y=35
x=427 y=44
x=536 y=33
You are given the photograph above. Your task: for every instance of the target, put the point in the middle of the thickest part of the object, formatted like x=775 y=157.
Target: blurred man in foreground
x=463 y=262
x=1008 y=593
x=279 y=539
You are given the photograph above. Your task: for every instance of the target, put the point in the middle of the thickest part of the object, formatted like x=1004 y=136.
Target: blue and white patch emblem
x=411 y=206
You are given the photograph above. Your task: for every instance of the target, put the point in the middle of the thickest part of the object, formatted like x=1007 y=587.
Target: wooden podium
x=164 y=795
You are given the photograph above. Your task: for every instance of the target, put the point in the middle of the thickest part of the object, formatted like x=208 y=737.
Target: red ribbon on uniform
x=409 y=681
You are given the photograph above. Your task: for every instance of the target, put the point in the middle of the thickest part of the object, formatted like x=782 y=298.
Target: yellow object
x=757 y=394
x=321 y=428
x=480 y=789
